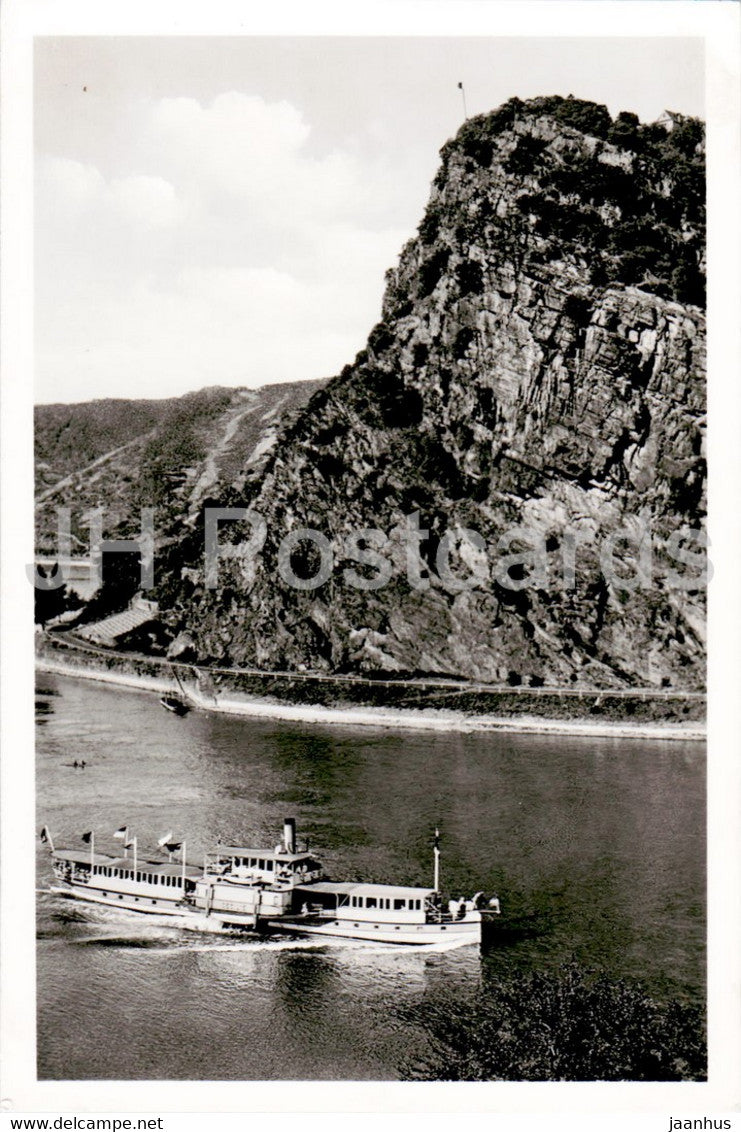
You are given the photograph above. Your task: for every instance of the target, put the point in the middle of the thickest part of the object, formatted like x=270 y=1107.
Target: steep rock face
x=535 y=368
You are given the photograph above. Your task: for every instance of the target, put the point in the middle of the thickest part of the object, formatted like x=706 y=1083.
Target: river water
x=596 y=848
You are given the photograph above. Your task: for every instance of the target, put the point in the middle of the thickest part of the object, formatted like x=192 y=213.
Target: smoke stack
x=289 y=834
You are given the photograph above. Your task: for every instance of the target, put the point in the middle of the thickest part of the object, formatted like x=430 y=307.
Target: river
x=596 y=848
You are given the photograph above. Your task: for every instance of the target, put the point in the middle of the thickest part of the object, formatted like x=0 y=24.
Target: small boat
x=268 y=889
x=174 y=704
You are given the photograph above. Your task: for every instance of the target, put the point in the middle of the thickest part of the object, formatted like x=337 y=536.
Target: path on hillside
x=67 y=481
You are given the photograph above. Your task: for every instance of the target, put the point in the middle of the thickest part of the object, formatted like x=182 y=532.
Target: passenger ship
x=278 y=889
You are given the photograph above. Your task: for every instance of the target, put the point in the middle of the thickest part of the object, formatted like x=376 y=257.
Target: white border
x=718 y=24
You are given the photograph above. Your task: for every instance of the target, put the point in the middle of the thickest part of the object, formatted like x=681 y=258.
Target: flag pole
x=437 y=860
x=92 y=852
x=182 y=859
x=463 y=95
x=135 y=852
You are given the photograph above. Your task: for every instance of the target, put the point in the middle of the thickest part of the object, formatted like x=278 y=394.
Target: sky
x=221 y=211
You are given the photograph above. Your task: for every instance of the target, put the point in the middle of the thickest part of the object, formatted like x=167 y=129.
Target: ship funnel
x=289 y=834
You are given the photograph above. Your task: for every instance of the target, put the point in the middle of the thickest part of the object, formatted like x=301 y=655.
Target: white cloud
x=66 y=187
x=69 y=189
x=231 y=254
x=148 y=201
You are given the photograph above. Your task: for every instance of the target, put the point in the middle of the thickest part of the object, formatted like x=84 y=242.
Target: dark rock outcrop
x=540 y=365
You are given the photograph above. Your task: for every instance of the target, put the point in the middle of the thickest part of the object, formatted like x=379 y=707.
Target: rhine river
x=596 y=848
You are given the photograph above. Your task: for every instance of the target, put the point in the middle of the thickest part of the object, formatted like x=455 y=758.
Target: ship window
x=418 y=904
x=154 y=901
x=399 y=904
x=371 y=902
x=270 y=865
x=261 y=863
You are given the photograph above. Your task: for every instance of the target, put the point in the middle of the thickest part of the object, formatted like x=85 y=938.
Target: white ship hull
x=157 y=906
x=409 y=934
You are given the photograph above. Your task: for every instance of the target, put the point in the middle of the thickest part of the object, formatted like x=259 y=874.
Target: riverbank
x=223 y=691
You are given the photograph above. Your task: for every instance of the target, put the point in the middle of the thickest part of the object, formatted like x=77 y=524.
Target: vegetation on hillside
x=638 y=219
x=69 y=437
x=570 y=1026
x=180 y=442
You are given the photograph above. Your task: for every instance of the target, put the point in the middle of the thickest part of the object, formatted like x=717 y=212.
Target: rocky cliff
x=539 y=367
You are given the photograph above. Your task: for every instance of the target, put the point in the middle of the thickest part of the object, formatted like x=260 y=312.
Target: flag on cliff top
x=122 y=833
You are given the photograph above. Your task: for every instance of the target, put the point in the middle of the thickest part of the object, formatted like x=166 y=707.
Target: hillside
x=169 y=454
x=539 y=364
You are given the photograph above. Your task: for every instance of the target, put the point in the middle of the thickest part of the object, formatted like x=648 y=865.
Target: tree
x=574 y=1025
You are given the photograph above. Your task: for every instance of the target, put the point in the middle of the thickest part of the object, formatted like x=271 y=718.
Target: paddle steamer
x=280 y=889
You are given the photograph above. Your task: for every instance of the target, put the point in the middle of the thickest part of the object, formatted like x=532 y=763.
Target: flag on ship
x=162 y=842
x=173 y=846
x=130 y=844
x=460 y=86
x=436 y=841
x=44 y=835
x=86 y=837
x=122 y=833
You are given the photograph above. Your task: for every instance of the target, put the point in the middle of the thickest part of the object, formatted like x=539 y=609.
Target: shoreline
x=429 y=719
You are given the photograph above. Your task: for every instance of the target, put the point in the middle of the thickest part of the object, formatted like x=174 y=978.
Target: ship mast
x=436 y=851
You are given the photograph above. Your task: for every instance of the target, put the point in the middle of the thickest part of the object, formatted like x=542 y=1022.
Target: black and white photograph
x=372 y=443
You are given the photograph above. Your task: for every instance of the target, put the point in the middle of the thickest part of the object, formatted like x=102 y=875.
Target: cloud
x=69 y=190
x=230 y=251
x=148 y=201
